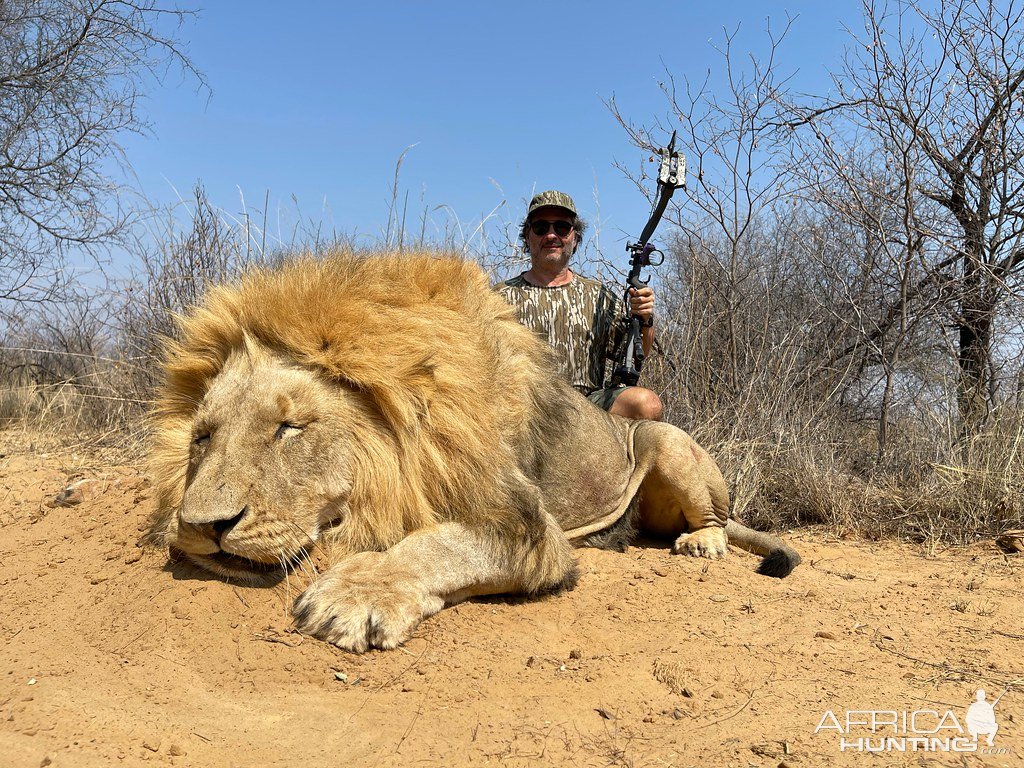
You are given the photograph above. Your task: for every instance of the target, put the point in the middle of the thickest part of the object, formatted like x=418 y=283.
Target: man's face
x=551 y=247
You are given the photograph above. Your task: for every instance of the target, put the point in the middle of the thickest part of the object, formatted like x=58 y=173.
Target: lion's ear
x=249 y=345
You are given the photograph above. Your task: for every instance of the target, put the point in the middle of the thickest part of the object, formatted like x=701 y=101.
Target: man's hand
x=641 y=303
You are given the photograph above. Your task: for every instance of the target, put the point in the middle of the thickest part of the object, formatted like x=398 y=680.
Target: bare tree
x=937 y=92
x=869 y=242
x=734 y=291
x=733 y=174
x=72 y=73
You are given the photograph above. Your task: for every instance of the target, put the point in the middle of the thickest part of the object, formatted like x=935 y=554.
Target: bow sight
x=671 y=176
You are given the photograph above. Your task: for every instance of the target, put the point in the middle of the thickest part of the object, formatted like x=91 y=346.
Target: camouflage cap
x=551 y=198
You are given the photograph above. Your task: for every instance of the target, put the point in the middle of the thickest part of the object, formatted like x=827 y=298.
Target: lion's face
x=268 y=468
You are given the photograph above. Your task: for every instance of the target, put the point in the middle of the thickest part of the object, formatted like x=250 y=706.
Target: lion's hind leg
x=683 y=495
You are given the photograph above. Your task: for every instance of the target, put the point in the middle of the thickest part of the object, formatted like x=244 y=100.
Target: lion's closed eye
x=287 y=429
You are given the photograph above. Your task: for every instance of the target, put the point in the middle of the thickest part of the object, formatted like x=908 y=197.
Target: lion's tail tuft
x=779 y=558
x=779 y=563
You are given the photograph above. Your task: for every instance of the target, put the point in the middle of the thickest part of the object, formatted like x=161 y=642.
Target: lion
x=389 y=412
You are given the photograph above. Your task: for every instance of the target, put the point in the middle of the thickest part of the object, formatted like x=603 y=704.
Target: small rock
x=340 y=676
x=718 y=599
x=575 y=653
x=133 y=557
x=152 y=746
x=605 y=714
x=826 y=635
x=45 y=762
x=660 y=572
x=176 y=751
x=531 y=662
x=76 y=493
x=31 y=681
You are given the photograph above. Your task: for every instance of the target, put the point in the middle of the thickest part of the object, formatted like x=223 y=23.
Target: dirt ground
x=110 y=655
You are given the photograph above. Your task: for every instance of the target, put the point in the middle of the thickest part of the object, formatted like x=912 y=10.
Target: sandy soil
x=110 y=655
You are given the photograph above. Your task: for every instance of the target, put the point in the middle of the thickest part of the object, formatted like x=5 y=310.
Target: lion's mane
x=456 y=393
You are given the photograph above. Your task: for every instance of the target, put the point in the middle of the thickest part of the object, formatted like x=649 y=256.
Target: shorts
x=603 y=398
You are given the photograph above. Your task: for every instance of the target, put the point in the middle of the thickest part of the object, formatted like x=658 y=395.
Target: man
x=577 y=316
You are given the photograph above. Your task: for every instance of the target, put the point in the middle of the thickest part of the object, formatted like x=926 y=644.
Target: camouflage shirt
x=578 y=320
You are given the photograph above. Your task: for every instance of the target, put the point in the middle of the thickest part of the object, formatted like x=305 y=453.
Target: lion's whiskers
x=306 y=564
x=287 y=581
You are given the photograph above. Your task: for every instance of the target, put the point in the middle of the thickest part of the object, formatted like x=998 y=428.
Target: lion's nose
x=220 y=527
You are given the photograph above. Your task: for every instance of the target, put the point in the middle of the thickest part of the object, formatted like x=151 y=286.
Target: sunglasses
x=540 y=228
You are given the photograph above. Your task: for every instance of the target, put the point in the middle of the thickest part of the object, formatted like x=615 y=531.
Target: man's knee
x=638 y=403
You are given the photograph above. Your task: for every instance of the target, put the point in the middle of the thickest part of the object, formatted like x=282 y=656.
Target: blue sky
x=316 y=103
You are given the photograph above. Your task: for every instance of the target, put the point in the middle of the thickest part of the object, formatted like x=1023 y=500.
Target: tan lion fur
x=420 y=337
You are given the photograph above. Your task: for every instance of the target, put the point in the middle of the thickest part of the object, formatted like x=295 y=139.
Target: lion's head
x=348 y=400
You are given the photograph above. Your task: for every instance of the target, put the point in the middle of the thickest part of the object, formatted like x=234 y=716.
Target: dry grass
x=825 y=472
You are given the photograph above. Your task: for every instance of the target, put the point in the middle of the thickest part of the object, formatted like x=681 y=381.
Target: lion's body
x=392 y=411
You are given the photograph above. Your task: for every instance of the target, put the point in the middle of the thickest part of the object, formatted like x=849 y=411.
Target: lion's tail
x=779 y=558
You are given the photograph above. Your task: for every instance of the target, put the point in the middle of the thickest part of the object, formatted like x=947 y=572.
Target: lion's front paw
x=707 y=542
x=363 y=603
